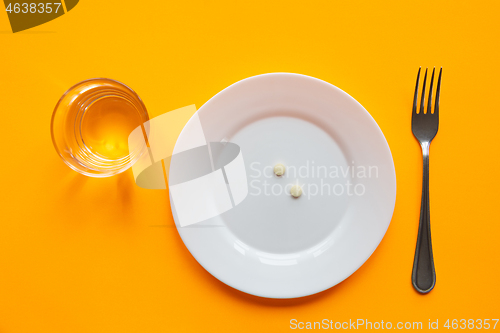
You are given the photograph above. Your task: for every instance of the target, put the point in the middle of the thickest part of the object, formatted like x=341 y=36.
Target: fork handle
x=424 y=274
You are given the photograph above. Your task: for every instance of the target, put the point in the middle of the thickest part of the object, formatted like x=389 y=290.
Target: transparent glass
x=91 y=124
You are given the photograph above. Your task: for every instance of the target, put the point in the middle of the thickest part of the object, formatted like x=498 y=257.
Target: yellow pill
x=296 y=191
x=279 y=169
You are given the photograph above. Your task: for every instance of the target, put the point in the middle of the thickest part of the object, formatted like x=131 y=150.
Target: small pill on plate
x=296 y=191
x=279 y=169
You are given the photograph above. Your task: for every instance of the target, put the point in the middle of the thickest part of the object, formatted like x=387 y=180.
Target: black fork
x=424 y=126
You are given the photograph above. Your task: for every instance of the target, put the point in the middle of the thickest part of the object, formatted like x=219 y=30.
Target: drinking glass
x=91 y=124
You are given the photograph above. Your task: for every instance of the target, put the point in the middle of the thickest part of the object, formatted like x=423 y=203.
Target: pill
x=279 y=169
x=296 y=191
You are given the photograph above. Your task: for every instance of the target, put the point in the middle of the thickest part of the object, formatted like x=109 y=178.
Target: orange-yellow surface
x=102 y=255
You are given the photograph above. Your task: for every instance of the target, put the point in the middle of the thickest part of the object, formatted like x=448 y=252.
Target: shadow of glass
x=125 y=187
x=75 y=182
x=112 y=196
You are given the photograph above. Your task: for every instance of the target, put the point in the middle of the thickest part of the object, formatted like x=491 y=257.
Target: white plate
x=274 y=245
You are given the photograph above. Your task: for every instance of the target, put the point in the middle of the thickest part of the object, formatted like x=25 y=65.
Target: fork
x=424 y=127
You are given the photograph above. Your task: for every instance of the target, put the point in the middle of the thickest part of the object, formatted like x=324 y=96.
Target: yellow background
x=87 y=255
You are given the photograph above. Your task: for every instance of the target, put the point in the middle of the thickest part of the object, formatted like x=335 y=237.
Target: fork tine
x=429 y=98
x=438 y=92
x=415 y=98
x=422 y=100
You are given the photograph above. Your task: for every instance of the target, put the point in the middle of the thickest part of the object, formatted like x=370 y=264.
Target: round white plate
x=273 y=245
